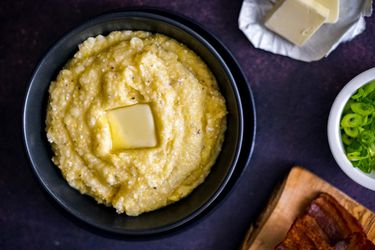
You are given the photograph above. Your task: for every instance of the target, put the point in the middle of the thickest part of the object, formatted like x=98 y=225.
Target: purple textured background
x=292 y=98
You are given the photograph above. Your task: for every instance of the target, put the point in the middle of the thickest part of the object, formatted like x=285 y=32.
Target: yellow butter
x=132 y=127
x=297 y=20
x=334 y=9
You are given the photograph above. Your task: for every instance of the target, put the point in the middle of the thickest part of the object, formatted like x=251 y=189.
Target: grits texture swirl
x=126 y=68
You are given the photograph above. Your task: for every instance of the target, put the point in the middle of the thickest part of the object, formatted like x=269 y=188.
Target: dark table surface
x=293 y=100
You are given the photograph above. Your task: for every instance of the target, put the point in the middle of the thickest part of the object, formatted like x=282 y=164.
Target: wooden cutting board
x=290 y=200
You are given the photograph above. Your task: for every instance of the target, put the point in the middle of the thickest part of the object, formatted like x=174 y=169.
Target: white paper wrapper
x=350 y=24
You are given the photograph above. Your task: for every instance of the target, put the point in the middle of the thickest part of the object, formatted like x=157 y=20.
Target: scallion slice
x=358 y=128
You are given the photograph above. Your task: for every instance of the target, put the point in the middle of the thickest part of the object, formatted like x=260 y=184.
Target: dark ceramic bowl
x=227 y=166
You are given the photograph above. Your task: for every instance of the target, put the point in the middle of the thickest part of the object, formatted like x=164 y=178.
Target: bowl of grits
x=134 y=122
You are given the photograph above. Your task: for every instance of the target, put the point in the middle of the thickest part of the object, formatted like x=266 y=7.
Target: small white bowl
x=334 y=134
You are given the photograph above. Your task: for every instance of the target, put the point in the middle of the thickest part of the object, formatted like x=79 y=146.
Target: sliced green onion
x=358 y=128
x=367 y=137
x=347 y=140
x=363 y=109
x=367 y=120
x=351 y=121
x=347 y=108
x=352 y=132
x=369 y=87
x=371 y=150
x=360 y=93
x=356 y=156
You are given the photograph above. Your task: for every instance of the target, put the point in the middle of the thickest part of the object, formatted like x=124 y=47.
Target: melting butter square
x=297 y=20
x=132 y=127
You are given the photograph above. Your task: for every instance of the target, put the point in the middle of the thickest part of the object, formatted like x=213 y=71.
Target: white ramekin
x=334 y=134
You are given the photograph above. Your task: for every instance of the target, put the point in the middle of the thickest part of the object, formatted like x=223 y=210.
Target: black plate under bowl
x=230 y=164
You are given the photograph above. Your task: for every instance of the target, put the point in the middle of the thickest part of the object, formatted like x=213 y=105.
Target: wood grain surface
x=290 y=200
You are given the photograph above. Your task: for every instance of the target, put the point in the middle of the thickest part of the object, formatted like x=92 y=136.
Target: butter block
x=132 y=127
x=334 y=9
x=297 y=20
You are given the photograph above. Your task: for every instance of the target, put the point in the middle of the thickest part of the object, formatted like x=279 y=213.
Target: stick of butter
x=132 y=127
x=297 y=20
x=334 y=9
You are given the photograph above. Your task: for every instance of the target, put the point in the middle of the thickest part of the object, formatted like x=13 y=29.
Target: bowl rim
x=186 y=27
x=334 y=134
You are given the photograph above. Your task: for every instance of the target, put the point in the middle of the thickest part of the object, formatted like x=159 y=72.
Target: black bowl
x=204 y=197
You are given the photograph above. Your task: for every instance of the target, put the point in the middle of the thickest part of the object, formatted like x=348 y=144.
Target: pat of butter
x=334 y=9
x=297 y=20
x=132 y=127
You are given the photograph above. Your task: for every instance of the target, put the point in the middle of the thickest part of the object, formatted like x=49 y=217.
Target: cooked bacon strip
x=326 y=225
x=305 y=233
x=356 y=241
x=335 y=220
